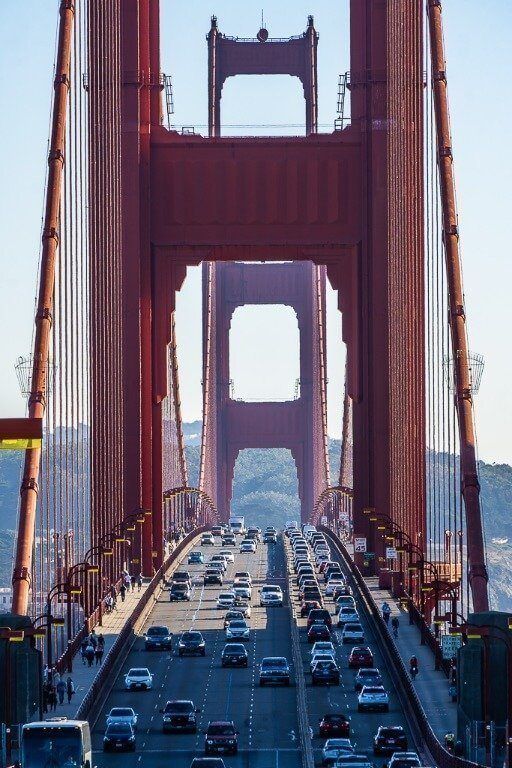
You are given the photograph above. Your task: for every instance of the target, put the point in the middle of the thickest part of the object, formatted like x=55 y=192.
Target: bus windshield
x=52 y=748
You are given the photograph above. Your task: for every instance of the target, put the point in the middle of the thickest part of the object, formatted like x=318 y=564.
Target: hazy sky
x=479 y=72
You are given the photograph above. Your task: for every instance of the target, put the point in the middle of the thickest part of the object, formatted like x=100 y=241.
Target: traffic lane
x=221 y=692
x=343 y=698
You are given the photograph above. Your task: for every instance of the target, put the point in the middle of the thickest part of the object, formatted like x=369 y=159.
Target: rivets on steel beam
x=62 y=79
x=452 y=230
x=446 y=152
x=30 y=484
x=57 y=154
x=45 y=314
x=440 y=76
x=50 y=234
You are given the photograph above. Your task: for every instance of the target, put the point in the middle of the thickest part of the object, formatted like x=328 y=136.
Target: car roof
x=220 y=722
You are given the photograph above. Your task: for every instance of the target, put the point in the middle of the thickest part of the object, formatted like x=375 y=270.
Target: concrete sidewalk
x=82 y=675
x=431 y=686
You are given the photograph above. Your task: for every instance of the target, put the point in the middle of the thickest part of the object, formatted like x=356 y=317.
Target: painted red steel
x=299 y=425
x=478 y=577
x=229 y=56
x=43 y=321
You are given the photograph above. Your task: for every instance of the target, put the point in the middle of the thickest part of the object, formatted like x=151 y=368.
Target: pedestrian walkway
x=82 y=675
x=431 y=685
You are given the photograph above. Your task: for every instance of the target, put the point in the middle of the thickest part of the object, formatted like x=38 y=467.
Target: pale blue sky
x=479 y=70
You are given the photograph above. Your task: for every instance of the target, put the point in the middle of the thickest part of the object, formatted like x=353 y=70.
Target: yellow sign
x=20 y=444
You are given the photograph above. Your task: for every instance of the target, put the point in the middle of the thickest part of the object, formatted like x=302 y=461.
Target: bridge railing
x=403 y=684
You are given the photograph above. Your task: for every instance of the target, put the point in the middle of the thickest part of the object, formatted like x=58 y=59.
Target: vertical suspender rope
x=462 y=378
x=38 y=386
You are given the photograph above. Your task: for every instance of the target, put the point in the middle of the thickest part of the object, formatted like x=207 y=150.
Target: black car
x=181 y=577
x=334 y=724
x=274 y=669
x=179 y=591
x=312 y=593
x=207 y=762
x=191 y=644
x=212 y=576
x=367 y=676
x=228 y=540
x=318 y=632
x=234 y=655
x=157 y=638
x=389 y=739
x=325 y=672
x=269 y=538
x=119 y=737
x=179 y=715
x=221 y=736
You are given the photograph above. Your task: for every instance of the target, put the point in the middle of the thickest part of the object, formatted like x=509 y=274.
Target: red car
x=318 y=632
x=319 y=616
x=325 y=564
x=334 y=725
x=360 y=656
x=307 y=606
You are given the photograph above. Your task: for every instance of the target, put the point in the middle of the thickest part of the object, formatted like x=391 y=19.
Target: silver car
x=238 y=629
x=122 y=715
x=138 y=678
x=373 y=697
x=334 y=748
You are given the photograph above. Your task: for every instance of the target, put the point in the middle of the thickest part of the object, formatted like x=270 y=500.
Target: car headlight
x=191 y=718
x=132 y=738
x=209 y=741
x=167 y=719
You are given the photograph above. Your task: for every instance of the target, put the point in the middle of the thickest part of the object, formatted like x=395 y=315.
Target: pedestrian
x=122 y=592
x=83 y=647
x=98 y=654
x=52 y=698
x=113 y=592
x=55 y=677
x=139 y=581
x=386 y=611
x=413 y=667
x=132 y=580
x=101 y=641
x=45 y=698
x=89 y=654
x=61 y=690
x=70 y=689
x=109 y=603
x=127 y=581
x=395 y=623
x=93 y=638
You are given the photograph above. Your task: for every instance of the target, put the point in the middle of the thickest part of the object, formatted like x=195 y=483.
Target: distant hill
x=265 y=489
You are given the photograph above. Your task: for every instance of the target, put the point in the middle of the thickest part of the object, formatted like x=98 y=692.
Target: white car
x=404 y=760
x=323 y=646
x=238 y=629
x=243 y=576
x=122 y=715
x=218 y=561
x=247 y=546
x=323 y=656
x=228 y=555
x=243 y=606
x=334 y=748
x=242 y=590
x=347 y=615
x=207 y=540
x=331 y=586
x=138 y=678
x=271 y=594
x=373 y=697
x=344 y=601
x=225 y=600
x=352 y=633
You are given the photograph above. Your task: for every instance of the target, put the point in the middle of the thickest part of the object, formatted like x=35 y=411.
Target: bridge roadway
x=265 y=717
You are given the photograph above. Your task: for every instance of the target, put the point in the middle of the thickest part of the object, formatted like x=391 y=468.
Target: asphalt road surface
x=265 y=717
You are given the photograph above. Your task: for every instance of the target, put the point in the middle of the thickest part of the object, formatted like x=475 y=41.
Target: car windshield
x=157 y=631
x=325 y=664
x=221 y=730
x=234 y=650
x=354 y=628
x=373 y=689
x=138 y=673
x=369 y=673
x=338 y=743
x=179 y=588
x=388 y=733
x=274 y=663
x=318 y=627
x=270 y=589
x=335 y=719
x=121 y=712
x=237 y=624
x=192 y=636
x=179 y=706
x=122 y=729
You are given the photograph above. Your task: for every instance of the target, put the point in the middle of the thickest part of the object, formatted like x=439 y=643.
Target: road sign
x=391 y=553
x=449 y=645
x=323 y=520
x=359 y=544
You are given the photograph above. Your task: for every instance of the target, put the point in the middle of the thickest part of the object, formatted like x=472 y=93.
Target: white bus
x=56 y=743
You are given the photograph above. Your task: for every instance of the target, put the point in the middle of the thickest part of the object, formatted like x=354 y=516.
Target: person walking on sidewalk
x=83 y=648
x=132 y=580
x=98 y=654
x=139 y=581
x=101 y=642
x=70 y=689
x=413 y=667
x=122 y=592
x=52 y=698
x=386 y=612
x=89 y=654
x=395 y=624
x=61 y=690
